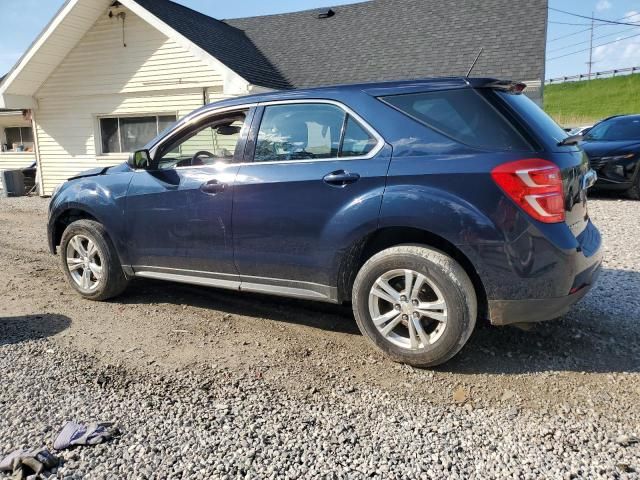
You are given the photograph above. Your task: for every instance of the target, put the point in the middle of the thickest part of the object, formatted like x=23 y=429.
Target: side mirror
x=140 y=160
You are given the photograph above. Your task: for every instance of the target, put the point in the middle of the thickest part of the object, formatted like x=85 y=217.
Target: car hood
x=93 y=172
x=603 y=149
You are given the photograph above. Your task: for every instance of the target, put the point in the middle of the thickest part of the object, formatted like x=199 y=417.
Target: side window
x=357 y=141
x=463 y=115
x=213 y=141
x=299 y=132
x=19 y=139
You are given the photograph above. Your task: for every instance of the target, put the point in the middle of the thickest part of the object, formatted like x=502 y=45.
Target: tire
x=106 y=277
x=634 y=192
x=445 y=285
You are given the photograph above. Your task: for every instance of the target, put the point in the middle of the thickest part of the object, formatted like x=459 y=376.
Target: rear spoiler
x=505 y=86
x=443 y=83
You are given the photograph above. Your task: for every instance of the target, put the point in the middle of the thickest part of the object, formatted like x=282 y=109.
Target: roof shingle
x=374 y=40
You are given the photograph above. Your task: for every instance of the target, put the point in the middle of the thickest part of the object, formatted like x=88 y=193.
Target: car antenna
x=475 y=61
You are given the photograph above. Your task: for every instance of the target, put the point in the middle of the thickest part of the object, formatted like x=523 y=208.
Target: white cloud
x=603 y=5
x=621 y=53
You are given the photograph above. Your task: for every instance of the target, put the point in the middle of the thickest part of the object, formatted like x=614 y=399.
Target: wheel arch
x=65 y=218
x=388 y=237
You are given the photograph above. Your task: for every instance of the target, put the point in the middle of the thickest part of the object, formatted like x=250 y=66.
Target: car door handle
x=341 y=178
x=213 y=187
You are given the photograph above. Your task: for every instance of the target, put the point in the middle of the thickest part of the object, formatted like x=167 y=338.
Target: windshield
x=616 y=129
x=534 y=115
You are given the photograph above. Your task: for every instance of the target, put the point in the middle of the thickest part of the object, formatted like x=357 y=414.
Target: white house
x=105 y=76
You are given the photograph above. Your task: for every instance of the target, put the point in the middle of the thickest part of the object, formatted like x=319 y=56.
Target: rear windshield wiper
x=571 y=140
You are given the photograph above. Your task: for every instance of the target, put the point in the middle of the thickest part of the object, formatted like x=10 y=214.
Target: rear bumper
x=508 y=312
x=565 y=278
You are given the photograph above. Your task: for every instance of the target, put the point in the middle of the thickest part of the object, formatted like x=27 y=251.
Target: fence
x=593 y=76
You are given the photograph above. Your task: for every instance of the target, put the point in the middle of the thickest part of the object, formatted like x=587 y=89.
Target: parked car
x=426 y=204
x=579 y=130
x=613 y=147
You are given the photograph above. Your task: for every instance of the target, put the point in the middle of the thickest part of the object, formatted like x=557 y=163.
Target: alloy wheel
x=408 y=309
x=84 y=263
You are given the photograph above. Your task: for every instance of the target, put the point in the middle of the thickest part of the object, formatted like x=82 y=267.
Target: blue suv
x=426 y=204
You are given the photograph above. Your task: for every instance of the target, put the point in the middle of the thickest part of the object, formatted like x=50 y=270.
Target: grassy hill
x=582 y=103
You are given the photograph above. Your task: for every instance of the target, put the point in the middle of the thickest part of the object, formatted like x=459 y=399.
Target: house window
x=128 y=134
x=19 y=139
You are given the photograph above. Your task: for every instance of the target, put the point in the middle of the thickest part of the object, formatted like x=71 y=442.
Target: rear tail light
x=535 y=185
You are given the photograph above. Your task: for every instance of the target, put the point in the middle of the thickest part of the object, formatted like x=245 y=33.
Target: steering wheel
x=196 y=160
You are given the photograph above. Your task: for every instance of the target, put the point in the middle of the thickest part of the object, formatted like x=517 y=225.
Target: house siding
x=102 y=77
x=10 y=161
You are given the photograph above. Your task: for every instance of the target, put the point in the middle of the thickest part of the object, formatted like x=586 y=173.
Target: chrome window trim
x=364 y=124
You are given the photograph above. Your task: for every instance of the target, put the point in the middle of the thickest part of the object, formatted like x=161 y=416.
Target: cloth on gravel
x=73 y=434
x=25 y=463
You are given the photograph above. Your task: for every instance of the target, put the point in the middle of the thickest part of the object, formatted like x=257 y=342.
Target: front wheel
x=416 y=304
x=634 y=192
x=90 y=262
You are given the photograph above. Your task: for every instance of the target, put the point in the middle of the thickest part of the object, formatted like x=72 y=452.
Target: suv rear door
x=316 y=181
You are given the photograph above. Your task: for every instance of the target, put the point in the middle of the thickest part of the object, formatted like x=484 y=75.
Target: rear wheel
x=416 y=304
x=90 y=262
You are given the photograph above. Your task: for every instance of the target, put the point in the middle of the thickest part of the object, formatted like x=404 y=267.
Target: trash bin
x=12 y=183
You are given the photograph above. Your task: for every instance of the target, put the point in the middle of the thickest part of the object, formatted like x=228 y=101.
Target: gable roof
x=404 y=39
x=74 y=19
x=228 y=44
x=372 y=40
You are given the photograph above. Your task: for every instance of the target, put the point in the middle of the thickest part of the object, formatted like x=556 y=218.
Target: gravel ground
x=215 y=384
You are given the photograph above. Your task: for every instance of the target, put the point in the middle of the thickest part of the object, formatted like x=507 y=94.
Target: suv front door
x=315 y=184
x=179 y=210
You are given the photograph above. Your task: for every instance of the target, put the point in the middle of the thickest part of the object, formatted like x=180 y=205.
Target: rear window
x=463 y=115
x=533 y=115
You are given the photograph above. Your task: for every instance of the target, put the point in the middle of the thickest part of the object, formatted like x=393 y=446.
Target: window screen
x=462 y=115
x=19 y=138
x=128 y=134
x=13 y=136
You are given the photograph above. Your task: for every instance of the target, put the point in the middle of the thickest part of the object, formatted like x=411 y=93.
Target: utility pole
x=591 y=47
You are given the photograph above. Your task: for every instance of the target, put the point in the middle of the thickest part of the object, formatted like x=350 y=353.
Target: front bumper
x=617 y=174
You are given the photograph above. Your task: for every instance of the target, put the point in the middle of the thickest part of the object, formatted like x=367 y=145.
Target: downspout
x=36 y=142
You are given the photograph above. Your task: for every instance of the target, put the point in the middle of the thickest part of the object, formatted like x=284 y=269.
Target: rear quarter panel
x=437 y=185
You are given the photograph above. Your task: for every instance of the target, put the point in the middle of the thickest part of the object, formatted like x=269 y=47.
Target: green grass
x=583 y=103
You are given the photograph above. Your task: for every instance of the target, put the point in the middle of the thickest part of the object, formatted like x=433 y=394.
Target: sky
x=619 y=54
x=23 y=20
